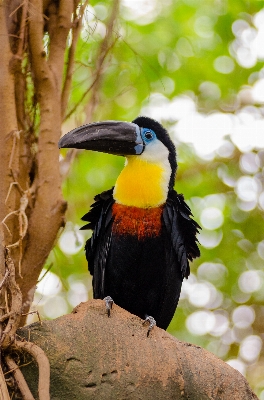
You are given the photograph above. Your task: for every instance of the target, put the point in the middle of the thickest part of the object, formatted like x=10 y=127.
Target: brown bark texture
x=31 y=83
x=96 y=357
x=34 y=46
x=38 y=40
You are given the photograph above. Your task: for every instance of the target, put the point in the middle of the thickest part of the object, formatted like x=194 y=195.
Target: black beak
x=114 y=137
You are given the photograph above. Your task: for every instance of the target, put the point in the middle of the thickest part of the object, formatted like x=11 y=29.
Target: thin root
x=22 y=220
x=20 y=380
x=33 y=312
x=43 y=364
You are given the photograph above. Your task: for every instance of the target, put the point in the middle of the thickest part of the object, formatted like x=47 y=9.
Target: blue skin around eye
x=144 y=131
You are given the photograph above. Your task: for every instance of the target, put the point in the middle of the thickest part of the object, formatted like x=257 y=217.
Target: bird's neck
x=142 y=183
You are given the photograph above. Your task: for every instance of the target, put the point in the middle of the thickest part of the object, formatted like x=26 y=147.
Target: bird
x=144 y=234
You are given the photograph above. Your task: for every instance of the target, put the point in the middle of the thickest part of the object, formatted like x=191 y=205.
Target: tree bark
x=47 y=216
x=96 y=357
x=9 y=130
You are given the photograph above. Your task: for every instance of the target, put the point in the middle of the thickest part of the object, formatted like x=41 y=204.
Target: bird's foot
x=108 y=304
x=151 y=322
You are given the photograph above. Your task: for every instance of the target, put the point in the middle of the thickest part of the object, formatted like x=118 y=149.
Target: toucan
x=143 y=232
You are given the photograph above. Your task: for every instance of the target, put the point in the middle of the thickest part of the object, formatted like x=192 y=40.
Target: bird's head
x=143 y=137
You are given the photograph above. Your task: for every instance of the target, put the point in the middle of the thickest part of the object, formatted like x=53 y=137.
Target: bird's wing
x=182 y=230
x=97 y=247
x=181 y=246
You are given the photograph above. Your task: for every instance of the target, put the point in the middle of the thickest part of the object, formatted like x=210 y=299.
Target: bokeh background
x=197 y=67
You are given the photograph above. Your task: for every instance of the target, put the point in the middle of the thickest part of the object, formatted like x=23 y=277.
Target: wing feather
x=182 y=230
x=98 y=246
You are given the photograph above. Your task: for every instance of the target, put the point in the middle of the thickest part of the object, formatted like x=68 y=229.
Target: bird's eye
x=148 y=135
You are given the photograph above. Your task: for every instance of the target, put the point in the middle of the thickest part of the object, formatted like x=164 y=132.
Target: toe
x=151 y=322
x=108 y=304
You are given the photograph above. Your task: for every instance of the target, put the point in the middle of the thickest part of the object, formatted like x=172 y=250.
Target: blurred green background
x=197 y=67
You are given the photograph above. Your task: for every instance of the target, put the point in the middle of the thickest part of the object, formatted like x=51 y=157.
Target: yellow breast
x=142 y=184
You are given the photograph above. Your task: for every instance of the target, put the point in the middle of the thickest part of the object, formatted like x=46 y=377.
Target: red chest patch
x=142 y=222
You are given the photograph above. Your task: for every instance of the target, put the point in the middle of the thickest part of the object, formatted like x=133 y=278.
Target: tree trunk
x=91 y=356
x=96 y=357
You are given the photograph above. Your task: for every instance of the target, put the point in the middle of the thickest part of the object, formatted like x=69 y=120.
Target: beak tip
x=65 y=142
x=60 y=143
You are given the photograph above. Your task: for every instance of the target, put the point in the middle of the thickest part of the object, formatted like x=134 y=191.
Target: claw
x=108 y=304
x=152 y=323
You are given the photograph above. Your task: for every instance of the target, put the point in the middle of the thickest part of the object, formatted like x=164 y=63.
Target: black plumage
x=142 y=276
x=138 y=255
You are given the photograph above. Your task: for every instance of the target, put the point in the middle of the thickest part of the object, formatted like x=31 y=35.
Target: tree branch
x=8 y=123
x=43 y=367
x=20 y=48
x=15 y=306
x=48 y=213
x=77 y=25
x=122 y=362
x=106 y=45
x=4 y=395
x=20 y=380
x=59 y=27
x=94 y=84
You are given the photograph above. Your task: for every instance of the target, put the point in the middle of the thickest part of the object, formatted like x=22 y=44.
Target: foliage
x=197 y=67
